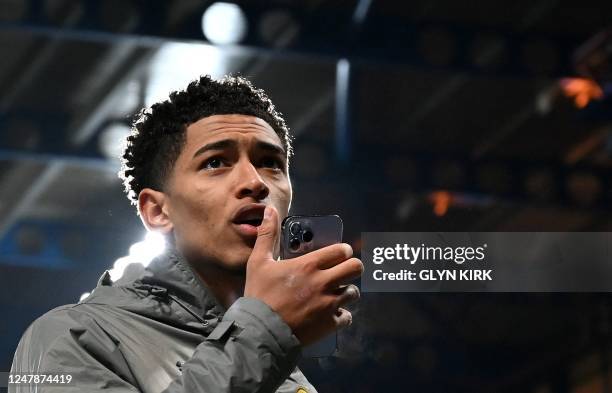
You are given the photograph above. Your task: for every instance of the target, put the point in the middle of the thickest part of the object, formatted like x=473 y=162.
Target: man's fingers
x=347 y=295
x=329 y=256
x=343 y=273
x=343 y=318
x=267 y=236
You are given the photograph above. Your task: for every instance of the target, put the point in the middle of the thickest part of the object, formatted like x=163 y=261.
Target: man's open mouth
x=248 y=218
x=254 y=222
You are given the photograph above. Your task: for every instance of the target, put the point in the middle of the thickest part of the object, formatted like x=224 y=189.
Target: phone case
x=312 y=233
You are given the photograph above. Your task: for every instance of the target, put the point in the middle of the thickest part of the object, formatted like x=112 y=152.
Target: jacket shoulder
x=55 y=325
x=51 y=324
x=69 y=339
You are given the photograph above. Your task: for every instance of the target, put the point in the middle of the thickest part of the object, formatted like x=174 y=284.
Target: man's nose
x=250 y=183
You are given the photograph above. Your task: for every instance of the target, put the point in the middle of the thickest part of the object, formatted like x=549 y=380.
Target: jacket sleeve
x=68 y=343
x=251 y=350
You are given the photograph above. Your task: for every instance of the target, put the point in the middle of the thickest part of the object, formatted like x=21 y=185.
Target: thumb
x=267 y=236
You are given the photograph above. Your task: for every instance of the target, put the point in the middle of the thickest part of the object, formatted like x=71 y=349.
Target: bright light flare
x=176 y=64
x=146 y=250
x=112 y=140
x=142 y=252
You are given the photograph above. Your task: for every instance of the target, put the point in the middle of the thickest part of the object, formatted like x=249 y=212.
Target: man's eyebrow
x=219 y=145
x=271 y=147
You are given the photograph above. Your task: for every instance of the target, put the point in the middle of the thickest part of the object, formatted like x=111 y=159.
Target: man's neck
x=226 y=286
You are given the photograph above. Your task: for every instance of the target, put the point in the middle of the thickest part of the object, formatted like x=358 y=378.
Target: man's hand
x=308 y=292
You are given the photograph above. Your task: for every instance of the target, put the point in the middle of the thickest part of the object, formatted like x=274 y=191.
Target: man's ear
x=153 y=209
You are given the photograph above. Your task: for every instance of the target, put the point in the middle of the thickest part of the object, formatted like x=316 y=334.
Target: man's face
x=230 y=168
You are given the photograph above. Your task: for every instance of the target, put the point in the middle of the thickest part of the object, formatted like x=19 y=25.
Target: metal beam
x=66 y=159
x=37 y=187
x=343 y=111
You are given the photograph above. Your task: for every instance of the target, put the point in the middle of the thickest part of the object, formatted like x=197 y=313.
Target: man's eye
x=271 y=162
x=213 y=163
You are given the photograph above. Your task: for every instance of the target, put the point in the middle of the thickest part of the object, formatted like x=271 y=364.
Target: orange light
x=441 y=201
x=581 y=90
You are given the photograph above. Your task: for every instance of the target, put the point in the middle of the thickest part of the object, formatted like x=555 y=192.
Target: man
x=218 y=312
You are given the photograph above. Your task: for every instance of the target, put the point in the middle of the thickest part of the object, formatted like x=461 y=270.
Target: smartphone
x=301 y=235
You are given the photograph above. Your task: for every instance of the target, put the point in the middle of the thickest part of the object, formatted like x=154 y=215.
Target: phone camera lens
x=294 y=244
x=307 y=235
x=295 y=228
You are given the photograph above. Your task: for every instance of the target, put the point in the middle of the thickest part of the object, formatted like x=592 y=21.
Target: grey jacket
x=160 y=330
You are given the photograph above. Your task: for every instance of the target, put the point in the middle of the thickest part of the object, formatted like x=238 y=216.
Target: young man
x=218 y=312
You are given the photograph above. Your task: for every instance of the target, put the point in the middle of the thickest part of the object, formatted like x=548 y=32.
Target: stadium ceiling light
x=224 y=23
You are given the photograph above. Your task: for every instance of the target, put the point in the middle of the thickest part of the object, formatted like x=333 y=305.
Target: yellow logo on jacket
x=301 y=390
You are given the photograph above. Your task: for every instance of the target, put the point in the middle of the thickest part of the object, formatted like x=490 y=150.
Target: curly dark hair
x=159 y=132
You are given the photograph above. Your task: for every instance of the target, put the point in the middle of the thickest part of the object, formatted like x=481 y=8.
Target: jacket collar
x=169 y=277
x=172 y=272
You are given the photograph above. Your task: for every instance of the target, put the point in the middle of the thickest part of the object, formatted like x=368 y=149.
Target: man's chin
x=236 y=259
x=249 y=242
x=237 y=263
